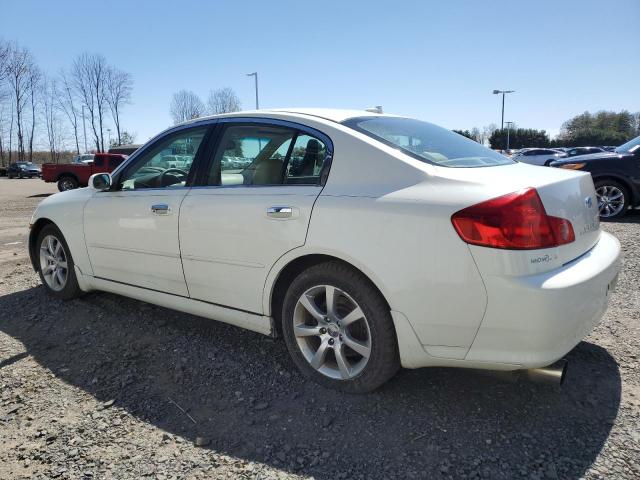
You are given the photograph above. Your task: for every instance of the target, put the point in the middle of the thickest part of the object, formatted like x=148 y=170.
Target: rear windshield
x=427 y=142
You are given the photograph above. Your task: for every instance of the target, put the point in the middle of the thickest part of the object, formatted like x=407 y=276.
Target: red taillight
x=517 y=221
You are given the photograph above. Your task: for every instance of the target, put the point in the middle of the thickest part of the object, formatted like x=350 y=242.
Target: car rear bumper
x=534 y=320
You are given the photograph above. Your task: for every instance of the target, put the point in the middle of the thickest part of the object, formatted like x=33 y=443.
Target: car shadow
x=40 y=195
x=632 y=216
x=239 y=392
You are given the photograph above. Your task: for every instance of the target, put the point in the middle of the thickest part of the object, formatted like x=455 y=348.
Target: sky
x=434 y=60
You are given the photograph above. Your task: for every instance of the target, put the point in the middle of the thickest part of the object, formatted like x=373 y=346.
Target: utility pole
x=109 y=131
x=255 y=75
x=503 y=92
x=84 y=127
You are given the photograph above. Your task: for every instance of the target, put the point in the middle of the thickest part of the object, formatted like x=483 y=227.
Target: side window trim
x=223 y=123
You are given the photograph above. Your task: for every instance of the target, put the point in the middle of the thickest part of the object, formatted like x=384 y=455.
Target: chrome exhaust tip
x=554 y=373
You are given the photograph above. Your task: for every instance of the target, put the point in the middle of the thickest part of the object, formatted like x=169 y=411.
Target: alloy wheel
x=66 y=185
x=332 y=332
x=53 y=263
x=610 y=200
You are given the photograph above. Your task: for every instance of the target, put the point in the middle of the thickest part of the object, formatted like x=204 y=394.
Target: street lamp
x=503 y=92
x=255 y=75
x=509 y=125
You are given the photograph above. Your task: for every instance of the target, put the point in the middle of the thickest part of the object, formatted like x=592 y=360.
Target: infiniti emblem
x=588 y=202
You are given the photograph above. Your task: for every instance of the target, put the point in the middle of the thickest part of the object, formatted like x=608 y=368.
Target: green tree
x=126 y=138
x=600 y=128
x=519 y=138
x=465 y=133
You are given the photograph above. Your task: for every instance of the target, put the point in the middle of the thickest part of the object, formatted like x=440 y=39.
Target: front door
x=253 y=206
x=131 y=232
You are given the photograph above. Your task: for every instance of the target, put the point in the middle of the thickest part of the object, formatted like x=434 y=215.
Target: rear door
x=253 y=204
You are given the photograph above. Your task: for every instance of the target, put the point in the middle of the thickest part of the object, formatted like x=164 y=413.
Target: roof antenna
x=376 y=109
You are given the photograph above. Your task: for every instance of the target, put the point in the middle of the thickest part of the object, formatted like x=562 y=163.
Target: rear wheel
x=56 y=264
x=339 y=330
x=613 y=199
x=67 y=183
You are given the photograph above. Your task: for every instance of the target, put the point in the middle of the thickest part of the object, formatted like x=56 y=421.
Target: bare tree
x=18 y=76
x=53 y=123
x=35 y=77
x=90 y=78
x=185 y=105
x=68 y=103
x=223 y=100
x=119 y=86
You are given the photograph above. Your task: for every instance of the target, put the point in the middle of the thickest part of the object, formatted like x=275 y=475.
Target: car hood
x=590 y=157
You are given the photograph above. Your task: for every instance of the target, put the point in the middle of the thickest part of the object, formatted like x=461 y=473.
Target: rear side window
x=427 y=142
x=114 y=162
x=263 y=154
x=98 y=162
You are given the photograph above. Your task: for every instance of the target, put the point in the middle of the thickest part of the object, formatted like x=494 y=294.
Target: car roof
x=332 y=114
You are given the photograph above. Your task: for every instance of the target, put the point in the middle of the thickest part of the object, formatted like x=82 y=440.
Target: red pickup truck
x=74 y=175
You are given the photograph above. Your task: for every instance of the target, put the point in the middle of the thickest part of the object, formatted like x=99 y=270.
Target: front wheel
x=339 y=330
x=613 y=199
x=56 y=264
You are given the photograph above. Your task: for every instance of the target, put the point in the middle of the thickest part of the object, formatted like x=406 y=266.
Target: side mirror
x=100 y=181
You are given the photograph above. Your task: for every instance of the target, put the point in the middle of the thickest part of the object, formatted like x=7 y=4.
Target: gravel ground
x=106 y=387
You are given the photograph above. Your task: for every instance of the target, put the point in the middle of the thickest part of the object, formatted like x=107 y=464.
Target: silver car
x=538 y=156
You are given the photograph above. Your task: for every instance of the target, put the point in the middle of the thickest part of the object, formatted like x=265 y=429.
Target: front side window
x=166 y=164
x=266 y=155
x=427 y=142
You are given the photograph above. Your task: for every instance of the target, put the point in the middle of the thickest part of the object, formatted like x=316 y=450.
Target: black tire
x=71 y=288
x=383 y=361
x=607 y=183
x=67 y=183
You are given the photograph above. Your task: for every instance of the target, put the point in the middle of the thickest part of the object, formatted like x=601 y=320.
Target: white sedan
x=538 y=156
x=367 y=241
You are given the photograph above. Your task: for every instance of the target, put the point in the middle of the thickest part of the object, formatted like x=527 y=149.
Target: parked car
x=576 y=151
x=538 y=156
x=125 y=149
x=73 y=175
x=616 y=176
x=367 y=241
x=23 y=170
x=83 y=158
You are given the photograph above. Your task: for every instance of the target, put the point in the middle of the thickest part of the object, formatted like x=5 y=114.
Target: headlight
x=572 y=166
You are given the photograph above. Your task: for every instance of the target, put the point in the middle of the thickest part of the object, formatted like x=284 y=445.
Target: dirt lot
x=106 y=387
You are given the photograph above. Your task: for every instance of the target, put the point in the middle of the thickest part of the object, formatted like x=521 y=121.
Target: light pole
x=109 y=131
x=509 y=124
x=255 y=75
x=503 y=92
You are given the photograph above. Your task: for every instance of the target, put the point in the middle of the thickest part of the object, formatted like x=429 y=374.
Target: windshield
x=630 y=147
x=427 y=142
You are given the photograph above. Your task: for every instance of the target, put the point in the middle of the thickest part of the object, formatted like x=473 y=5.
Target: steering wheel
x=180 y=172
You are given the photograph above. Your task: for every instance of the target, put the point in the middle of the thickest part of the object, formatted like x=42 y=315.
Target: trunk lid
x=564 y=193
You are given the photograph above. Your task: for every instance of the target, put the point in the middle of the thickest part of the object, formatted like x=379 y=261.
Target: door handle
x=279 y=212
x=160 y=209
